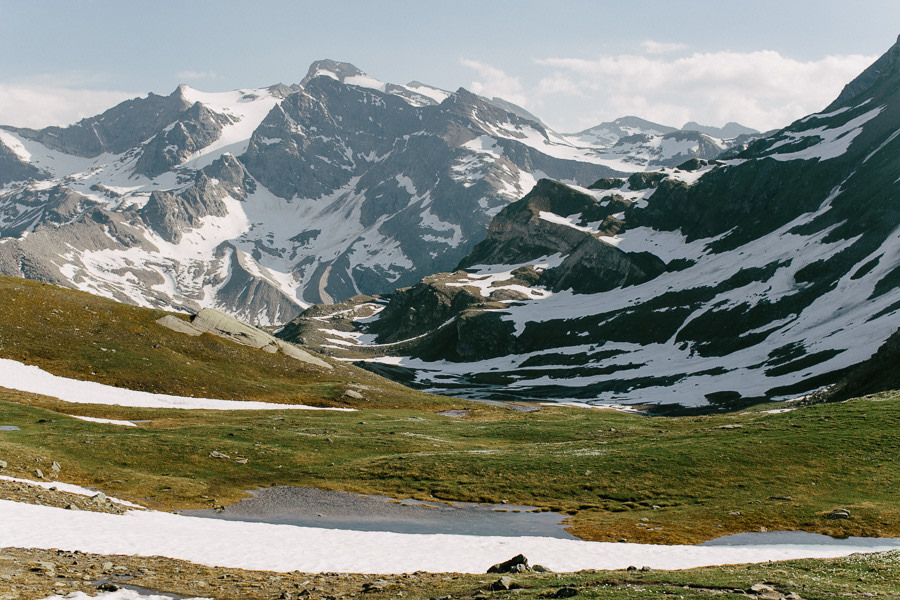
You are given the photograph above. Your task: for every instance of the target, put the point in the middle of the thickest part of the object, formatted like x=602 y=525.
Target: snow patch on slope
x=29 y=378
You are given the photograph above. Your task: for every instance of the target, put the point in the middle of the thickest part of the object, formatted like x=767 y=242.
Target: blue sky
x=573 y=63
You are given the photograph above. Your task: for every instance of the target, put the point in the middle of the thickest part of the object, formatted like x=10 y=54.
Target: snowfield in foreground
x=283 y=548
x=28 y=378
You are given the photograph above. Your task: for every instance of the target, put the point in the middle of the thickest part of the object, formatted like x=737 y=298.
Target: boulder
x=215 y=322
x=353 y=395
x=517 y=564
x=181 y=326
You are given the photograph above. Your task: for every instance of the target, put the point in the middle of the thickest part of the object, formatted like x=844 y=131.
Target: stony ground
x=38 y=574
x=33 y=494
x=34 y=574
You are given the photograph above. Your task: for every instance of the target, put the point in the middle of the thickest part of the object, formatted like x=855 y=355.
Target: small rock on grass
x=838 y=513
x=374 y=586
x=217 y=454
x=504 y=583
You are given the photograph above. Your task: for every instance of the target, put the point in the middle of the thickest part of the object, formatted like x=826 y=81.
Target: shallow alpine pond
x=312 y=507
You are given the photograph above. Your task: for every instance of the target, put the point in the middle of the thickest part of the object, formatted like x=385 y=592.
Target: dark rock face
x=422 y=308
x=12 y=168
x=305 y=161
x=879 y=373
x=117 y=130
x=196 y=128
x=880 y=78
x=170 y=214
x=518 y=234
x=594 y=266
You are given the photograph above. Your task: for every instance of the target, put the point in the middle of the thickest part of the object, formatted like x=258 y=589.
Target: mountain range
x=458 y=244
x=259 y=202
x=766 y=274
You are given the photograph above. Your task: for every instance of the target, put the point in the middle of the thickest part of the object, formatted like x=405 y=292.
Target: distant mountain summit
x=607 y=134
x=727 y=132
x=633 y=143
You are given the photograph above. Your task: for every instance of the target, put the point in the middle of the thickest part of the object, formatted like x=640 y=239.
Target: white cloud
x=494 y=82
x=191 y=75
x=38 y=105
x=759 y=89
x=653 y=47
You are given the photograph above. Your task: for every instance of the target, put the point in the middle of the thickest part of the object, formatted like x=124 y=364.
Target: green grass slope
x=78 y=335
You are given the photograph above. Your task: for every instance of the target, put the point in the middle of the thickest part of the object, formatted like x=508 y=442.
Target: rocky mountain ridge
x=259 y=202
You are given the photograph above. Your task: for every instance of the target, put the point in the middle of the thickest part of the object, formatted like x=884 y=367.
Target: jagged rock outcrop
x=196 y=128
x=531 y=229
x=170 y=215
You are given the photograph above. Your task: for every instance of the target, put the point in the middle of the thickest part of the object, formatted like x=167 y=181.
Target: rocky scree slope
x=719 y=283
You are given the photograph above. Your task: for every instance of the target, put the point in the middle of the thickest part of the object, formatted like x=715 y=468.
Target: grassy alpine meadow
x=617 y=475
